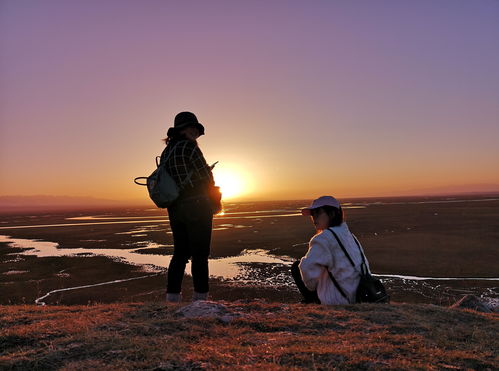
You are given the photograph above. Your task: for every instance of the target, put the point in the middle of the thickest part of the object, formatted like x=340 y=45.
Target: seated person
x=325 y=274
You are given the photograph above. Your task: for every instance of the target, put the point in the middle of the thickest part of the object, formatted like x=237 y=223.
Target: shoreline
x=73 y=287
x=425 y=253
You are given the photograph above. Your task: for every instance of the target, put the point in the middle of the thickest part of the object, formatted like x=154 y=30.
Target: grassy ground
x=270 y=336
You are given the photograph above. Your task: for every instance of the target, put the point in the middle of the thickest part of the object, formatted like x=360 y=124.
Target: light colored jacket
x=325 y=254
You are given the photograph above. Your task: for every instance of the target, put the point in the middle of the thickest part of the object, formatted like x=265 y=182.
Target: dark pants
x=191 y=222
x=308 y=296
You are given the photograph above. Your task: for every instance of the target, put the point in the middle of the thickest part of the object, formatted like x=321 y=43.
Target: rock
x=492 y=304
x=472 y=302
x=207 y=309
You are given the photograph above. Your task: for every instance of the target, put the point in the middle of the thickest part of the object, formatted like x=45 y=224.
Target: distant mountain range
x=455 y=190
x=44 y=202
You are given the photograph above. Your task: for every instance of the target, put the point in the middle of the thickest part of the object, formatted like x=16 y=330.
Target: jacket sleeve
x=198 y=163
x=313 y=264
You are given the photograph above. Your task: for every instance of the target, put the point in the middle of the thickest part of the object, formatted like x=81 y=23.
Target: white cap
x=320 y=202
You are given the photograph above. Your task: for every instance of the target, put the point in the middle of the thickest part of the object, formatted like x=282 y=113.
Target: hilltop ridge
x=251 y=334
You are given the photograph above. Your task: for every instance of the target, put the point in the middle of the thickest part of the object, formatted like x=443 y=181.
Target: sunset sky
x=299 y=98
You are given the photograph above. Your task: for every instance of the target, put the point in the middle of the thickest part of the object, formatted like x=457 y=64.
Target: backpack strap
x=336 y=284
x=363 y=266
x=164 y=161
x=342 y=247
x=159 y=162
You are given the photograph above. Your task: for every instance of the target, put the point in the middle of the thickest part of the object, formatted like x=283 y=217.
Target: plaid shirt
x=184 y=157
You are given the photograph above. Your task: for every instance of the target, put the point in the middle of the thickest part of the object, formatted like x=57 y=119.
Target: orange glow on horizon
x=233 y=182
x=288 y=118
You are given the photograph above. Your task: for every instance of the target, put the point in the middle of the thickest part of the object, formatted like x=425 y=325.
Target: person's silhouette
x=191 y=215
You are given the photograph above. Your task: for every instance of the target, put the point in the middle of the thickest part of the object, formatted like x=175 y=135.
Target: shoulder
x=186 y=143
x=185 y=146
x=344 y=226
x=341 y=230
x=321 y=239
x=319 y=251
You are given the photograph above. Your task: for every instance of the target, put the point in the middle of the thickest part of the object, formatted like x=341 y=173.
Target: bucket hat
x=184 y=120
x=320 y=202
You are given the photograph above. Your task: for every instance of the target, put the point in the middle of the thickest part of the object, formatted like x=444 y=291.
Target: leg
x=180 y=257
x=308 y=296
x=199 y=230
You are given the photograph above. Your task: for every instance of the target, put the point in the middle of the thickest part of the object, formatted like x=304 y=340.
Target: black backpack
x=370 y=289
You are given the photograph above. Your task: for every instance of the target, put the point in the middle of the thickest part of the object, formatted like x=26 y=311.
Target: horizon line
x=264 y=199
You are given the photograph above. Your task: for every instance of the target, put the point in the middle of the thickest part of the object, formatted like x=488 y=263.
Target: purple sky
x=349 y=98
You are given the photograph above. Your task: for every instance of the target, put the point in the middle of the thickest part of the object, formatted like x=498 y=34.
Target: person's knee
x=200 y=250
x=200 y=259
x=180 y=259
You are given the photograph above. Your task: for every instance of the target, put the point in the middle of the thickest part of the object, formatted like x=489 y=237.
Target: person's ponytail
x=169 y=135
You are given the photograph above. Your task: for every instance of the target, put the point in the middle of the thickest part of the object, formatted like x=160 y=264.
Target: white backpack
x=162 y=189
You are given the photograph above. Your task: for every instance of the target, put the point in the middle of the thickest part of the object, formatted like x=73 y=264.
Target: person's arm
x=200 y=165
x=312 y=265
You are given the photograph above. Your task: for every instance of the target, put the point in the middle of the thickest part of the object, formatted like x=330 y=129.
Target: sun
x=232 y=181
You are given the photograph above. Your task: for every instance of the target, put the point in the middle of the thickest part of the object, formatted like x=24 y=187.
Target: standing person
x=191 y=214
x=325 y=275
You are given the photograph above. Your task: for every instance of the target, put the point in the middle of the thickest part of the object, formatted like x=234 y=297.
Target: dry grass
x=268 y=336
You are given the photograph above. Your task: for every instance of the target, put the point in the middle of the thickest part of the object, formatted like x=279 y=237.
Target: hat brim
x=200 y=127
x=306 y=212
x=197 y=125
